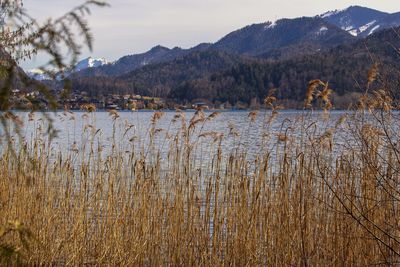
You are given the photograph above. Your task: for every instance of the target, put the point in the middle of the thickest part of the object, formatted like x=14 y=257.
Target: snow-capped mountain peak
x=90 y=63
x=86 y=63
x=361 y=21
x=37 y=74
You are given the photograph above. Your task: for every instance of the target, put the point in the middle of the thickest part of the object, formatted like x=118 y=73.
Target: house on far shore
x=202 y=105
x=113 y=106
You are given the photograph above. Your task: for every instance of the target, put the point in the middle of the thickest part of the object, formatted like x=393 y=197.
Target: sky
x=132 y=26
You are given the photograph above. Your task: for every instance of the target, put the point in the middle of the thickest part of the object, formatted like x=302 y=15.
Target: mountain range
x=220 y=76
x=281 y=39
x=169 y=72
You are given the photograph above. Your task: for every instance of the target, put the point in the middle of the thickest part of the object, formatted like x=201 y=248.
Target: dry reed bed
x=305 y=200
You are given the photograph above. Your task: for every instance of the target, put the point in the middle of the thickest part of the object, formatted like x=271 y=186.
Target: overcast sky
x=131 y=26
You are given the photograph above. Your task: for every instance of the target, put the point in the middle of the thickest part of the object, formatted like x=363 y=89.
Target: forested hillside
x=345 y=67
x=160 y=79
x=221 y=77
x=295 y=36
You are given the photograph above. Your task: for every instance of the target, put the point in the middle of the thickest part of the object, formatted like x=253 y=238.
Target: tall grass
x=305 y=199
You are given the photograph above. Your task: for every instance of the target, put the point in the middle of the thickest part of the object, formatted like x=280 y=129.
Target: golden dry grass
x=308 y=201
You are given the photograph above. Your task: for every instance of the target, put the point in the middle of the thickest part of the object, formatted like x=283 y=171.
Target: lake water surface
x=131 y=130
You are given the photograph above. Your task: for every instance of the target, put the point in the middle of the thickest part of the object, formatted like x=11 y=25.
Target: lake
x=131 y=131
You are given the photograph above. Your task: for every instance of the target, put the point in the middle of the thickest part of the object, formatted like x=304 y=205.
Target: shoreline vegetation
x=304 y=200
x=81 y=101
x=83 y=110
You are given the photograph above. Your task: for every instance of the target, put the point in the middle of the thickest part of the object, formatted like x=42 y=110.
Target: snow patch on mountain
x=357 y=31
x=374 y=29
x=270 y=25
x=367 y=26
x=144 y=63
x=322 y=30
x=353 y=32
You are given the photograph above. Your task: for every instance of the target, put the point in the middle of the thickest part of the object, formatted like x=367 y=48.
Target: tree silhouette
x=22 y=36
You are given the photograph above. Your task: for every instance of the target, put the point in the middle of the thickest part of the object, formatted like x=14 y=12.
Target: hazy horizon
x=132 y=27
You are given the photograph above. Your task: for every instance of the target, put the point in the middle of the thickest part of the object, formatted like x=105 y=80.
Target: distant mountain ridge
x=361 y=21
x=87 y=63
x=157 y=54
x=261 y=39
x=280 y=40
